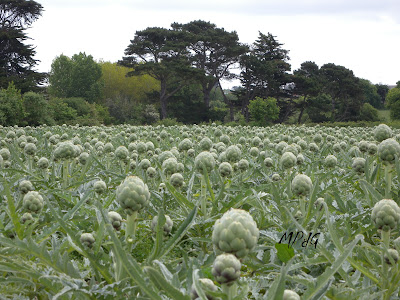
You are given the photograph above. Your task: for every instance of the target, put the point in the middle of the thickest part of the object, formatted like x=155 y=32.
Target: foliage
x=63 y=237
x=117 y=84
x=393 y=103
x=36 y=109
x=16 y=58
x=12 y=110
x=61 y=112
x=263 y=111
x=344 y=90
x=368 y=113
x=160 y=53
x=264 y=70
x=370 y=92
x=215 y=53
x=78 y=76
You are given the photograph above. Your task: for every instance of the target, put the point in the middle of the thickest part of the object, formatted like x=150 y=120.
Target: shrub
x=12 y=111
x=263 y=111
x=368 y=113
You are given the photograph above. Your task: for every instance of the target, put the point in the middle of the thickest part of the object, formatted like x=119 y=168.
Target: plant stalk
x=131 y=227
x=65 y=174
x=229 y=290
x=203 y=196
x=388 y=180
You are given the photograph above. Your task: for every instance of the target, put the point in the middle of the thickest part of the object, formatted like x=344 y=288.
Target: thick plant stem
x=131 y=227
x=303 y=205
x=29 y=163
x=386 y=240
x=229 y=290
x=65 y=174
x=388 y=180
x=203 y=196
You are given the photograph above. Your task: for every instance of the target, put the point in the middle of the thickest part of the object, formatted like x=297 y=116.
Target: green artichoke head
x=115 y=219
x=393 y=254
x=290 y=295
x=235 y=232
x=33 y=202
x=167 y=225
x=386 y=214
x=207 y=286
x=133 y=194
x=301 y=185
x=226 y=268
x=87 y=239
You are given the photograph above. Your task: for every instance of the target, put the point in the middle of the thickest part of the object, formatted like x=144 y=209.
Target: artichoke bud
x=207 y=285
x=87 y=239
x=290 y=295
x=386 y=214
x=167 y=226
x=235 y=232
x=115 y=219
x=33 y=202
x=133 y=194
x=393 y=254
x=226 y=268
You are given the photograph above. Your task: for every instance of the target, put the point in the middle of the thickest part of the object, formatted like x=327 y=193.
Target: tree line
x=176 y=73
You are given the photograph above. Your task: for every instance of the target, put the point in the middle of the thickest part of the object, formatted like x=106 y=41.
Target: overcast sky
x=361 y=35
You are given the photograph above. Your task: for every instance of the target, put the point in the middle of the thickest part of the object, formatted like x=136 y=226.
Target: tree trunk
x=301 y=115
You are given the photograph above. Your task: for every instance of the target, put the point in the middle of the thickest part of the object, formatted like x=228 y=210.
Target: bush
x=12 y=110
x=263 y=111
x=368 y=113
x=37 y=109
x=150 y=114
x=61 y=112
x=393 y=103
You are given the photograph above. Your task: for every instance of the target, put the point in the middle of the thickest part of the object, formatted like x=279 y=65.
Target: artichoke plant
x=115 y=219
x=388 y=150
x=301 y=185
x=100 y=187
x=235 y=232
x=167 y=226
x=226 y=268
x=288 y=160
x=25 y=186
x=225 y=169
x=133 y=194
x=176 y=180
x=290 y=295
x=393 y=255
x=204 y=160
x=382 y=132
x=87 y=239
x=358 y=165
x=33 y=202
x=207 y=286
x=386 y=215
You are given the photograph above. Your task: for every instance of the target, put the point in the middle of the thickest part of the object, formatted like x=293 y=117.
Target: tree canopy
x=16 y=57
x=78 y=76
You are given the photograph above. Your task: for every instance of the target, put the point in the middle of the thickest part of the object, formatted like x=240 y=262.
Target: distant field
x=384 y=115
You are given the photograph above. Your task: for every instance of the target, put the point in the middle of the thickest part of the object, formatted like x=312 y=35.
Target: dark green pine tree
x=16 y=57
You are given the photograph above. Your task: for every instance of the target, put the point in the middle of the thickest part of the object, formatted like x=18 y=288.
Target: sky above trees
x=360 y=35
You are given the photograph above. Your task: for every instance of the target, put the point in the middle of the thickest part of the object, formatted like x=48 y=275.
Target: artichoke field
x=199 y=212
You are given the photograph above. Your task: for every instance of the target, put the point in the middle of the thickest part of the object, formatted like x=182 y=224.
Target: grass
x=384 y=115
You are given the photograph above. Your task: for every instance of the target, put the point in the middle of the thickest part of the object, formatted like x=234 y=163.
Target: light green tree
x=393 y=102
x=12 y=110
x=263 y=111
x=79 y=76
